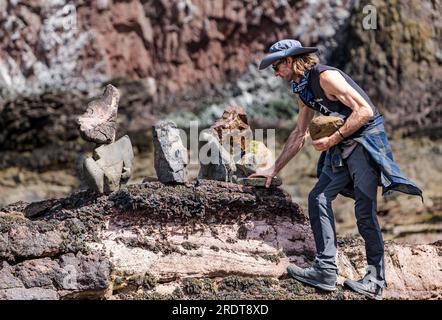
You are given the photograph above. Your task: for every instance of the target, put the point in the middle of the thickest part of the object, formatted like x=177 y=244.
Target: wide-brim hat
x=284 y=48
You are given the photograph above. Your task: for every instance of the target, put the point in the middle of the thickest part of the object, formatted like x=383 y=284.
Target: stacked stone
x=227 y=152
x=233 y=154
x=170 y=155
x=111 y=163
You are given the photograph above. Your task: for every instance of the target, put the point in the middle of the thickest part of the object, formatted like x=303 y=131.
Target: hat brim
x=272 y=57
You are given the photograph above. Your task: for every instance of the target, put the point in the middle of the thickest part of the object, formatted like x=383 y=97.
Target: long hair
x=303 y=63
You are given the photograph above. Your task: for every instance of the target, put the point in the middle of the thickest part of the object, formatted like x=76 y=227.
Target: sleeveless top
x=329 y=107
x=371 y=136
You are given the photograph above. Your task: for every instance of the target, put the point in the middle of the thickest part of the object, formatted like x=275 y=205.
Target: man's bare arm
x=336 y=88
x=297 y=137
x=334 y=84
x=293 y=145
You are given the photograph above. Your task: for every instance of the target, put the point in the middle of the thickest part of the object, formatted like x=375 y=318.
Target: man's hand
x=325 y=143
x=268 y=174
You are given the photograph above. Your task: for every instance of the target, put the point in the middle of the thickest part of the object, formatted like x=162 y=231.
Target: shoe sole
x=365 y=293
x=315 y=284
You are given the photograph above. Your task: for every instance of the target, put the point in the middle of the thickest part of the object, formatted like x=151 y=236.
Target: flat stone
x=38 y=208
x=259 y=182
x=324 y=126
x=149 y=179
x=99 y=122
x=170 y=156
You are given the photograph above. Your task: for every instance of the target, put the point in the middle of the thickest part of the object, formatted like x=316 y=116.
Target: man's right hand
x=268 y=174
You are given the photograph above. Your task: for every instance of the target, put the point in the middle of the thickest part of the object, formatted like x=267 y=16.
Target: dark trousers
x=358 y=169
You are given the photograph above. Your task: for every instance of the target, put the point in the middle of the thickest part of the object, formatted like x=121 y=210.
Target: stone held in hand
x=99 y=122
x=170 y=155
x=324 y=126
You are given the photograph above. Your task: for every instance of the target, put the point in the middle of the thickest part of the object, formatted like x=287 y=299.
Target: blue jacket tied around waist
x=373 y=138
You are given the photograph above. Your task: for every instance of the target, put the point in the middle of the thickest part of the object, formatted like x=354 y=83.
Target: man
x=355 y=160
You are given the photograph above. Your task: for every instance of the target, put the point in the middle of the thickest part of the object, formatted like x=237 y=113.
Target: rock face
x=170 y=155
x=204 y=53
x=99 y=122
x=324 y=126
x=171 y=46
x=164 y=53
x=209 y=239
x=399 y=63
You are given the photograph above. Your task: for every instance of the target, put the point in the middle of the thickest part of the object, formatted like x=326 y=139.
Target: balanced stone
x=257 y=157
x=216 y=162
x=110 y=166
x=224 y=144
x=232 y=126
x=324 y=126
x=229 y=152
x=99 y=122
x=170 y=156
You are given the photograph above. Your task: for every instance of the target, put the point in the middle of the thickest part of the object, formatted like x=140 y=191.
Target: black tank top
x=329 y=107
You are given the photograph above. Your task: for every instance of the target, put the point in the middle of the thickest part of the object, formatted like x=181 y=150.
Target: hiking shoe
x=369 y=286
x=324 y=279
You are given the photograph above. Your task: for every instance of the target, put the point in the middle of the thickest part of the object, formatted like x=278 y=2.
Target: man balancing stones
x=356 y=157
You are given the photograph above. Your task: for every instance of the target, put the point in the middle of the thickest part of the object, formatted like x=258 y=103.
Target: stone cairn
x=234 y=155
x=111 y=162
x=231 y=154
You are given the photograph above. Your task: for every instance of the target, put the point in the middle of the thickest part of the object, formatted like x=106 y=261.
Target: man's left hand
x=323 y=143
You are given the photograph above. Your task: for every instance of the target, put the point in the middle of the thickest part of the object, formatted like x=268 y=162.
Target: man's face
x=283 y=69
